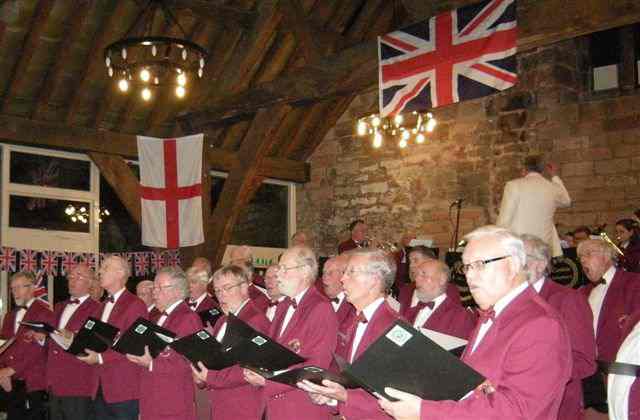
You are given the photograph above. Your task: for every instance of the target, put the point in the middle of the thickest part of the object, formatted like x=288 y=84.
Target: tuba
x=606 y=238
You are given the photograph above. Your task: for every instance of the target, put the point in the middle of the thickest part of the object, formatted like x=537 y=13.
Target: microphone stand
x=458 y=204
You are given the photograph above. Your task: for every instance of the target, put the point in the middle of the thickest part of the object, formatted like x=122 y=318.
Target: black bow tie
x=484 y=316
x=361 y=318
x=335 y=300
x=601 y=281
x=109 y=298
x=423 y=305
x=293 y=303
x=164 y=313
x=272 y=304
x=18 y=307
x=192 y=304
x=74 y=301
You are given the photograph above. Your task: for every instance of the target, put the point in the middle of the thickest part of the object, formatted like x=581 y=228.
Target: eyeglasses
x=283 y=269
x=332 y=272
x=350 y=272
x=226 y=289
x=479 y=265
x=161 y=288
x=20 y=286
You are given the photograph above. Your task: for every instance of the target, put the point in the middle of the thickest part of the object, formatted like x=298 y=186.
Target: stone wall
x=478 y=146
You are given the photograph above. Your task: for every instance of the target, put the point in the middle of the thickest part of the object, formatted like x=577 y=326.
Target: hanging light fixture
x=401 y=129
x=149 y=62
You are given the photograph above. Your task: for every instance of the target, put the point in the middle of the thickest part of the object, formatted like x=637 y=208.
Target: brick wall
x=476 y=148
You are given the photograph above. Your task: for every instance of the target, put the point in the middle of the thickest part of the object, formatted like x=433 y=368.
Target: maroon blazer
x=360 y=404
x=526 y=356
x=120 y=379
x=347 y=245
x=634 y=392
x=450 y=317
x=259 y=299
x=206 y=304
x=405 y=295
x=574 y=309
x=154 y=314
x=311 y=332
x=167 y=391
x=620 y=302
x=26 y=356
x=230 y=395
x=631 y=259
x=66 y=375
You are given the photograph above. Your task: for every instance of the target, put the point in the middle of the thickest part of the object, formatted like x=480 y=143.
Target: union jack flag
x=8 y=259
x=49 y=262
x=173 y=258
x=68 y=262
x=458 y=55
x=157 y=262
x=41 y=286
x=28 y=260
x=141 y=265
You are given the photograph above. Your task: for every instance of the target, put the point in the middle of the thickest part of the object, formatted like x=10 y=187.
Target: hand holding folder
x=203 y=347
x=144 y=333
x=94 y=335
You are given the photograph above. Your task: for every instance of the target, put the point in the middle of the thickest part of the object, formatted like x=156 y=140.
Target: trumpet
x=605 y=238
x=385 y=246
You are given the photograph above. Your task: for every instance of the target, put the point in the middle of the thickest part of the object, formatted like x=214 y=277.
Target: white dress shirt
x=426 y=312
x=497 y=308
x=291 y=310
x=223 y=328
x=20 y=313
x=362 y=326
x=197 y=301
x=108 y=307
x=336 y=305
x=596 y=297
x=618 y=386
x=165 y=314
x=69 y=310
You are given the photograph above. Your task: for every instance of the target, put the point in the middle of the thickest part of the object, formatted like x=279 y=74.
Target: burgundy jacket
x=620 y=302
x=450 y=317
x=26 y=356
x=405 y=295
x=230 y=395
x=120 y=379
x=360 y=404
x=167 y=392
x=526 y=356
x=260 y=300
x=206 y=304
x=311 y=332
x=574 y=309
x=66 y=375
x=347 y=245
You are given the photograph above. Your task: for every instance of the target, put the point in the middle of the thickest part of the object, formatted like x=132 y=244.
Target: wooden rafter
x=228 y=16
x=304 y=29
x=31 y=40
x=82 y=139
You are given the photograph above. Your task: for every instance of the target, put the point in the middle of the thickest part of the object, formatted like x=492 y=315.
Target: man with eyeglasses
x=332 y=287
x=229 y=395
x=520 y=344
x=613 y=295
x=68 y=379
x=431 y=307
x=166 y=387
x=305 y=323
x=576 y=313
x=367 y=277
x=22 y=365
x=116 y=381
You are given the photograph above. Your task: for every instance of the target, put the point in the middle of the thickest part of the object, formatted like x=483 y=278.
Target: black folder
x=203 y=347
x=405 y=359
x=94 y=335
x=38 y=326
x=210 y=316
x=312 y=374
x=255 y=350
x=144 y=333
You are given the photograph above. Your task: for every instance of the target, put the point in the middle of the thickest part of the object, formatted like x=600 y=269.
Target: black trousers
x=125 y=410
x=70 y=408
x=23 y=405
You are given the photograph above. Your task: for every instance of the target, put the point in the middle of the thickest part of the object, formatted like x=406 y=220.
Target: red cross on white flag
x=171 y=191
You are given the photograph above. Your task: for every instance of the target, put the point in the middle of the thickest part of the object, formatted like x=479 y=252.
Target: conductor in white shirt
x=529 y=203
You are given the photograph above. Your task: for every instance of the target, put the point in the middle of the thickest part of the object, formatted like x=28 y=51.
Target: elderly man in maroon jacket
x=23 y=363
x=116 y=383
x=230 y=395
x=333 y=289
x=576 y=313
x=613 y=295
x=273 y=291
x=520 y=343
x=68 y=379
x=432 y=307
x=369 y=273
x=198 y=299
x=166 y=387
x=305 y=323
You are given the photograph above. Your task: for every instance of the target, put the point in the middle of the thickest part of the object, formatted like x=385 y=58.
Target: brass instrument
x=385 y=246
x=605 y=238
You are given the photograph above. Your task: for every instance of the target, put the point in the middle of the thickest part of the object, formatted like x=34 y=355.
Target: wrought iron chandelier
x=399 y=128
x=151 y=62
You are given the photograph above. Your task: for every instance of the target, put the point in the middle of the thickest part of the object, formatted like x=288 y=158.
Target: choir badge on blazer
x=294 y=345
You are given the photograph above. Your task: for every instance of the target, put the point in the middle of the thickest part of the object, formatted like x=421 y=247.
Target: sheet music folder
x=203 y=347
x=312 y=374
x=210 y=316
x=144 y=333
x=256 y=350
x=38 y=326
x=405 y=359
x=94 y=335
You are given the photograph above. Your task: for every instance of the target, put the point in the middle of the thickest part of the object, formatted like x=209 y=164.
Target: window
x=604 y=53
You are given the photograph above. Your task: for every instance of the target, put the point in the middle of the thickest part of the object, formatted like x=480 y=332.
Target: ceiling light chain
x=402 y=128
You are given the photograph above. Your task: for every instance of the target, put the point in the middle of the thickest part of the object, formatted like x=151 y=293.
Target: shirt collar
x=538 y=284
x=81 y=298
x=151 y=307
x=173 y=306
x=372 y=308
x=29 y=303
x=340 y=297
x=505 y=300
x=300 y=295
x=117 y=295
x=200 y=299
x=237 y=311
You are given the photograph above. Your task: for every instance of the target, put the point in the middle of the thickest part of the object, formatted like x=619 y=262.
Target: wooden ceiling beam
x=304 y=29
x=228 y=16
x=356 y=68
x=29 y=45
x=81 y=139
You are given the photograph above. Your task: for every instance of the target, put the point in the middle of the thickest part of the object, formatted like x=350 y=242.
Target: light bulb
x=184 y=54
x=124 y=53
x=398 y=119
x=377 y=140
x=180 y=91
x=74 y=219
x=145 y=75
x=402 y=143
x=154 y=50
x=362 y=128
x=107 y=61
x=420 y=138
x=156 y=81
x=106 y=212
x=146 y=94
x=201 y=62
x=70 y=210
x=200 y=72
x=375 y=121
x=431 y=124
x=182 y=79
x=405 y=135
x=123 y=85
x=82 y=209
x=110 y=71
